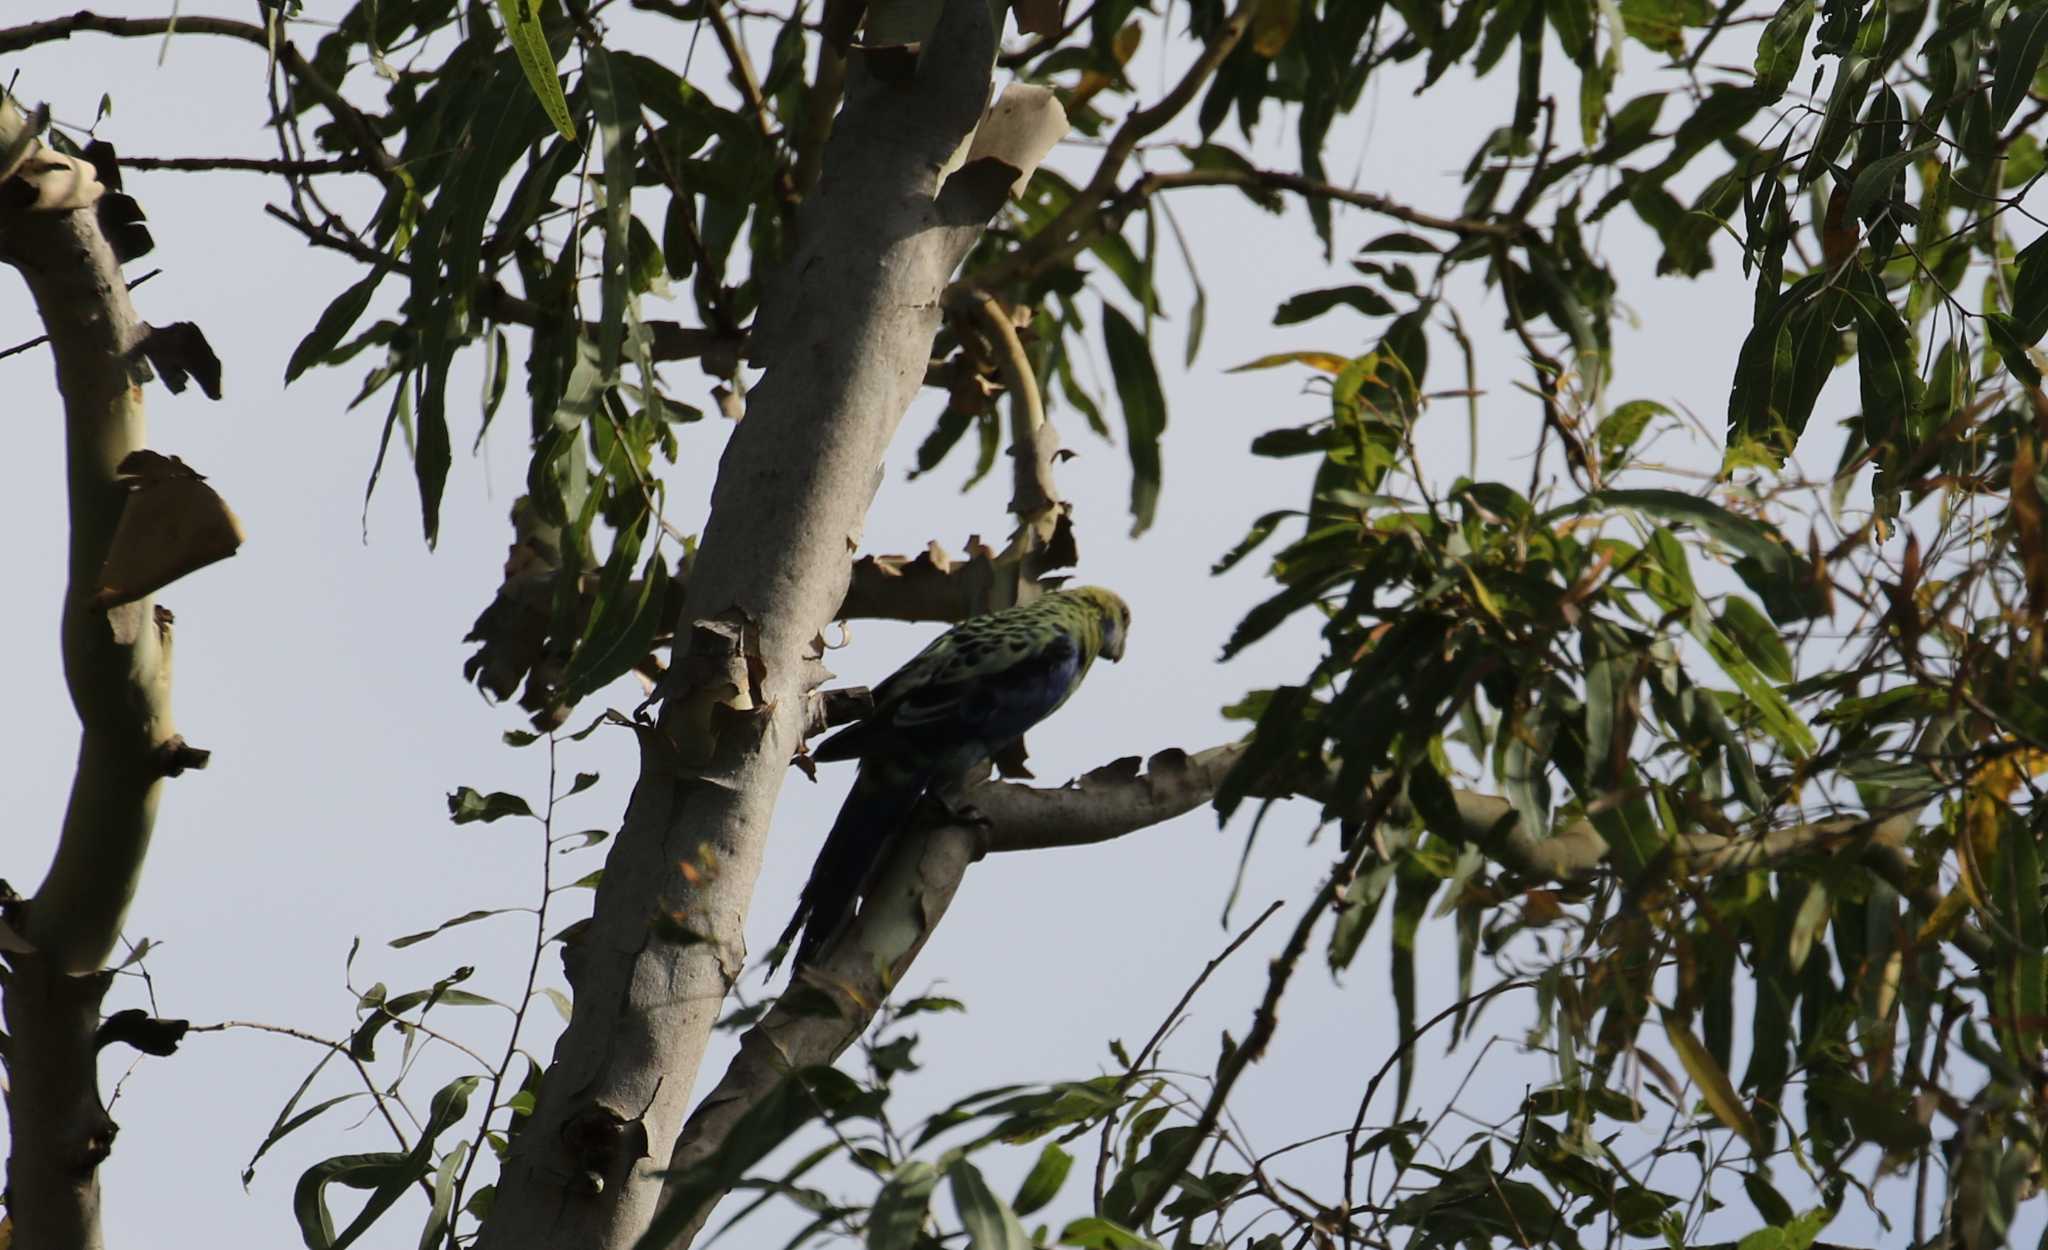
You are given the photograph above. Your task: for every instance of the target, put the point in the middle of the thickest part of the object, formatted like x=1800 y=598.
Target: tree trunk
x=844 y=335
x=117 y=664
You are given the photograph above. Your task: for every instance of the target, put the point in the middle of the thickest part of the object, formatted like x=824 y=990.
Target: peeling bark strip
x=843 y=337
x=117 y=662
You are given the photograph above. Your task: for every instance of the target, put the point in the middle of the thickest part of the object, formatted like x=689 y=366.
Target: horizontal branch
x=1118 y=799
x=361 y=133
x=1107 y=803
x=1310 y=188
x=513 y=630
x=918 y=879
x=248 y=164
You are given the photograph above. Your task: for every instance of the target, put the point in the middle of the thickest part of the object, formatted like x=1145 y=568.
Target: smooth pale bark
x=844 y=336
x=117 y=665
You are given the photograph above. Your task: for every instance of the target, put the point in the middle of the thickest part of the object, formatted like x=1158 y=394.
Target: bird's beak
x=1114 y=651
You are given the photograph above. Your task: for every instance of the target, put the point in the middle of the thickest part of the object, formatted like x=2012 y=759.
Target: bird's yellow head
x=1115 y=617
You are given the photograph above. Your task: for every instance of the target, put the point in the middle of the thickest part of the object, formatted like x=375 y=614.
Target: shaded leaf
x=1144 y=405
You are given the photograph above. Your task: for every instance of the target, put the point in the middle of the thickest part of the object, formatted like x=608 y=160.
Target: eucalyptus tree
x=1666 y=743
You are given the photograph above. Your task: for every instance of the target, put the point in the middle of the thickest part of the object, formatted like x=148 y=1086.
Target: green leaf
x=1712 y=1082
x=1095 y=1233
x=1780 y=576
x=387 y=1174
x=1042 y=1184
x=1769 y=1203
x=617 y=106
x=1873 y=184
x=2012 y=348
x=466 y=805
x=2024 y=978
x=1144 y=405
x=618 y=637
x=1624 y=427
x=1361 y=904
x=289 y=1118
x=896 y=1220
x=467 y=917
x=530 y=43
x=1260 y=531
x=1401 y=241
x=1758 y=638
x=500 y=123
x=989 y=1221
x=1783 y=364
x=1414 y=887
x=444 y=1196
x=1885 y=364
x=2030 y=292
x=1780 y=46
x=1311 y=304
x=794 y=1101
x=1854 y=73
x=335 y=322
x=2020 y=45
x=1806 y=925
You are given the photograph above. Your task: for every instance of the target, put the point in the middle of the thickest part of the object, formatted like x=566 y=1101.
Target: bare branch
x=248 y=164
x=361 y=134
x=1032 y=443
x=1309 y=188
x=742 y=67
x=1104 y=804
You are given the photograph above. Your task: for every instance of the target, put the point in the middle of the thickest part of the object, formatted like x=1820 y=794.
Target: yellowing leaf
x=1273 y=27
x=1125 y=45
x=1947 y=914
x=1715 y=1089
x=1327 y=362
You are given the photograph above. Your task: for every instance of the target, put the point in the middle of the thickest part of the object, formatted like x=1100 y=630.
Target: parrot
x=958 y=702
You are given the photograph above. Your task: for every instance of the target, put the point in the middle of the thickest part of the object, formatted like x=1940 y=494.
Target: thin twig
x=1403 y=1047
x=249 y=164
x=742 y=67
x=1266 y=1019
x=540 y=942
x=377 y=1095
x=361 y=133
x=1276 y=180
x=1166 y=1026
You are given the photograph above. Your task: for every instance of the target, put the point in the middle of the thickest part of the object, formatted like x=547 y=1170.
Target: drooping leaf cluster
x=1764 y=749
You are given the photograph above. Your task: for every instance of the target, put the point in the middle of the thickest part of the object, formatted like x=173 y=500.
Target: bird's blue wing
x=991 y=708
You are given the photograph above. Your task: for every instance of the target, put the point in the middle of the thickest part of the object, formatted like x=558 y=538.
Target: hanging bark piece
x=173 y=523
x=1020 y=128
x=121 y=218
x=55 y=183
x=179 y=351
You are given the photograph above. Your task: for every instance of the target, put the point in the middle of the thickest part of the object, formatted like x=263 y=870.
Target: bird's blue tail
x=878 y=806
